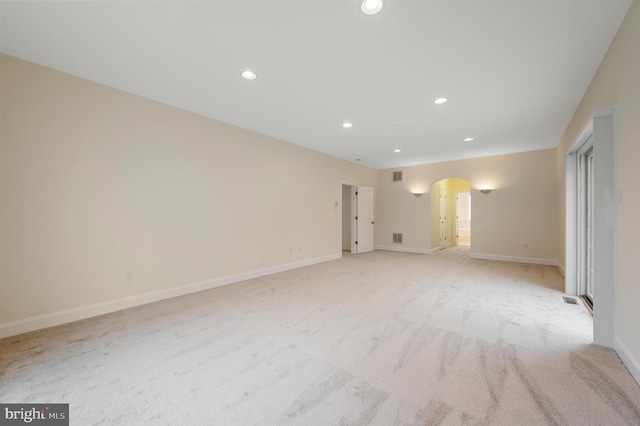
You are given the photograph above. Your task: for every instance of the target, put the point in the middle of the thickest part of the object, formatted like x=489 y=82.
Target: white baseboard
x=404 y=249
x=629 y=360
x=533 y=260
x=75 y=314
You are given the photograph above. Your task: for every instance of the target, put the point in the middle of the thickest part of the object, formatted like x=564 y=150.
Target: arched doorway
x=450 y=213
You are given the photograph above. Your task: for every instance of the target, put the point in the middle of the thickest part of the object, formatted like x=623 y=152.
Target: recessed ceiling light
x=468 y=139
x=371 y=7
x=440 y=101
x=396 y=150
x=347 y=125
x=249 y=75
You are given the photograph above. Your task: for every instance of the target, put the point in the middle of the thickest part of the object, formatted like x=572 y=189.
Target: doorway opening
x=347 y=219
x=450 y=213
x=357 y=218
x=463 y=218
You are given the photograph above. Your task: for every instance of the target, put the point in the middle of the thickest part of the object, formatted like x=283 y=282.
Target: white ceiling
x=514 y=70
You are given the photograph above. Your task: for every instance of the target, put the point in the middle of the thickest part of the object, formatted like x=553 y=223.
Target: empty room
x=323 y=212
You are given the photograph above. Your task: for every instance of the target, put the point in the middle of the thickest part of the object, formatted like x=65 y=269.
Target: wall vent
x=397 y=238
x=397 y=176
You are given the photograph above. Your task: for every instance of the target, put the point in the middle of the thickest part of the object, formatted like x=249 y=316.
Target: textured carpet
x=377 y=339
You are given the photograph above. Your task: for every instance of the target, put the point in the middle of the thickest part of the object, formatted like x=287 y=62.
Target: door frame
x=582 y=222
x=602 y=124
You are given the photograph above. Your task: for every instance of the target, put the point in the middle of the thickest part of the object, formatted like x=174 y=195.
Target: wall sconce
x=417 y=194
x=486 y=191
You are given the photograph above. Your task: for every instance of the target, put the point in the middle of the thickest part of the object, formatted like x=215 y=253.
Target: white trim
x=626 y=355
x=561 y=268
x=572 y=201
x=605 y=226
x=604 y=112
x=580 y=214
x=533 y=260
x=404 y=249
x=75 y=314
x=571 y=224
x=585 y=134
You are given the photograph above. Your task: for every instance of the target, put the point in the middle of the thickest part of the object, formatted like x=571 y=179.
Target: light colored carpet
x=382 y=339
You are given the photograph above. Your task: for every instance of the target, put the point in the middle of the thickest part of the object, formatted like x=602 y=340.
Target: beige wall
x=617 y=82
x=95 y=181
x=521 y=209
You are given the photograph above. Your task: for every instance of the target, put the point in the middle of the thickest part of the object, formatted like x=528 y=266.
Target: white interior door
x=443 y=218
x=363 y=196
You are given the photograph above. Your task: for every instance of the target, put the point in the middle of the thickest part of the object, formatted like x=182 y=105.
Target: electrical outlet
x=129 y=274
x=526 y=245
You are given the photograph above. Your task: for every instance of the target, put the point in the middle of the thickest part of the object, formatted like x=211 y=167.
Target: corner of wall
x=627 y=357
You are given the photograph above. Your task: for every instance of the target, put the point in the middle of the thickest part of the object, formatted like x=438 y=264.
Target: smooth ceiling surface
x=514 y=71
